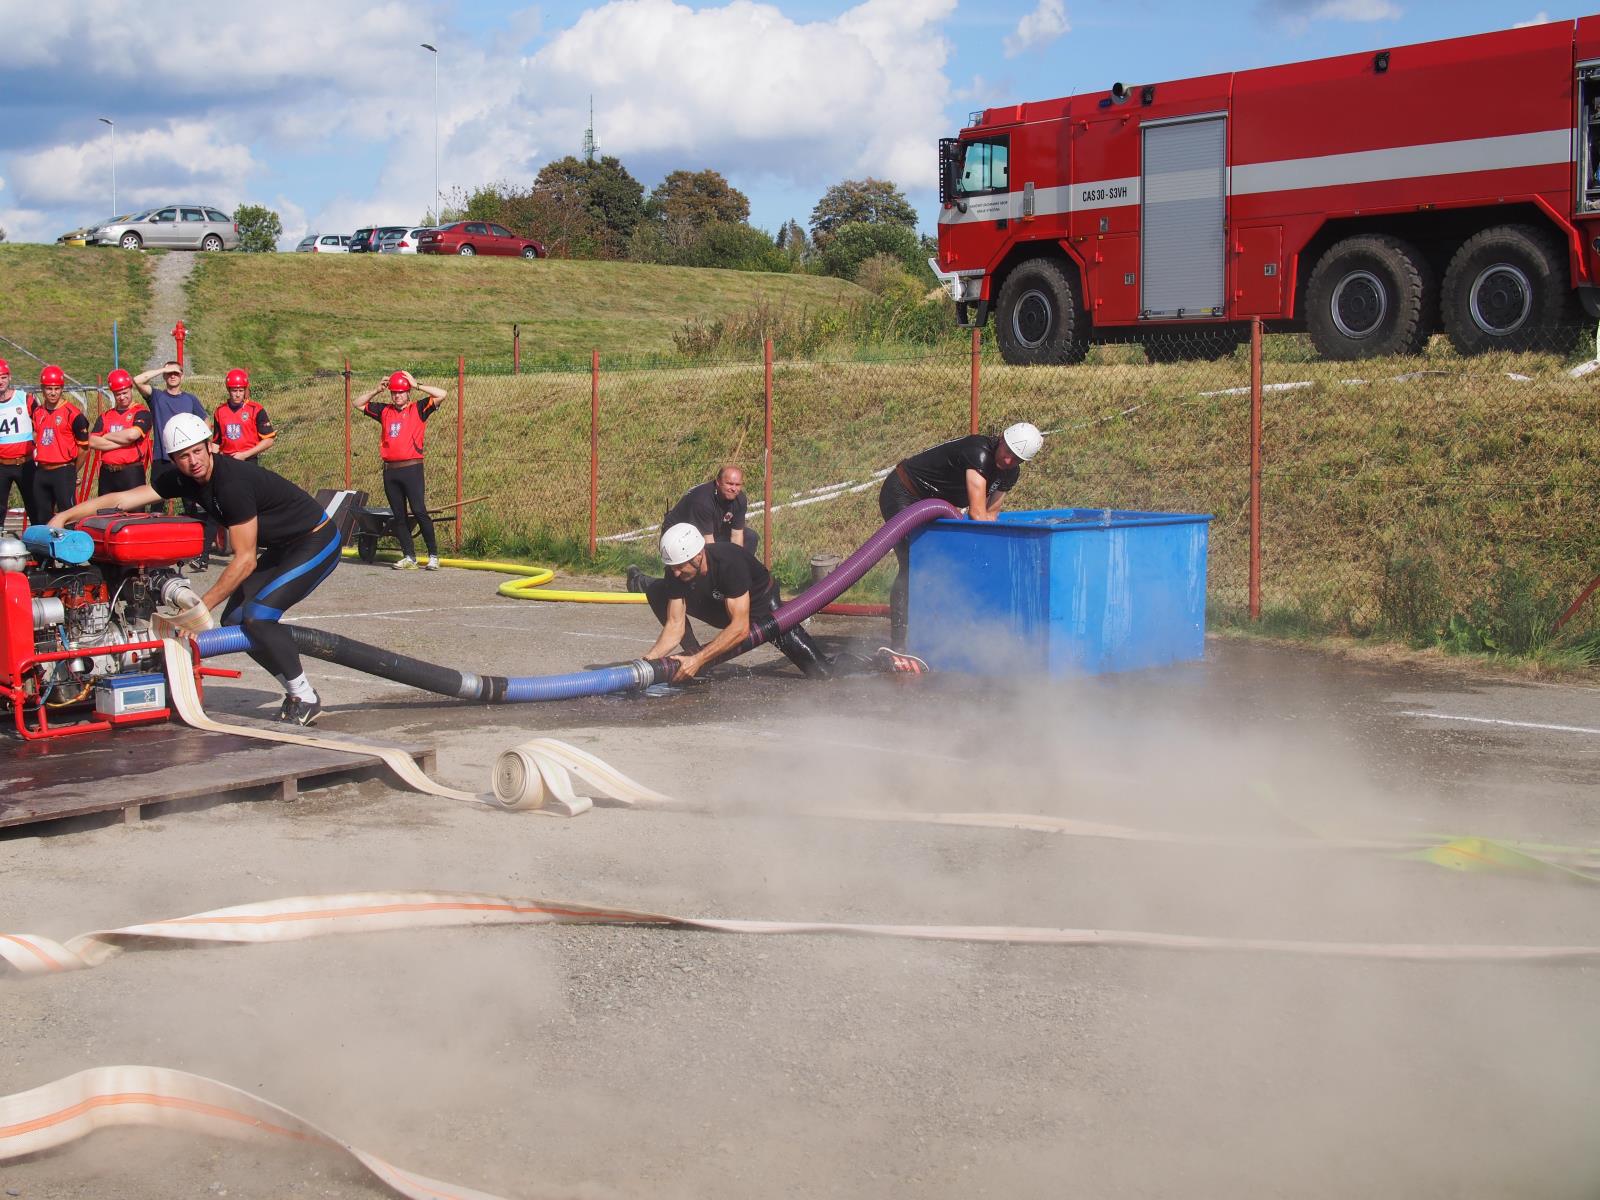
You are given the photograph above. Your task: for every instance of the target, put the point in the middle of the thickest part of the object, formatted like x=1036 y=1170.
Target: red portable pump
x=76 y=648
x=1369 y=199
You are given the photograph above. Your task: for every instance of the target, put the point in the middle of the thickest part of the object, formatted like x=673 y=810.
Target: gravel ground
x=606 y=1062
x=168 y=303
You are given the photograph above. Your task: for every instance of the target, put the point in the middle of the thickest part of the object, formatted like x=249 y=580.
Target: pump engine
x=74 y=617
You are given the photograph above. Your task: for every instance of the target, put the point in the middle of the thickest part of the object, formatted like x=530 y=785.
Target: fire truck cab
x=1370 y=199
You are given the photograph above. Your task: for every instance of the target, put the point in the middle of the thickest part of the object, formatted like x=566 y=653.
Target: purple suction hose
x=848 y=573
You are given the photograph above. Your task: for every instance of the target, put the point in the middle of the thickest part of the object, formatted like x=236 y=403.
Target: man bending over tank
x=284 y=545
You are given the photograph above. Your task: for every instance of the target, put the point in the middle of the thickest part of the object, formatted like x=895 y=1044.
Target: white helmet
x=183 y=431
x=1023 y=439
x=681 y=543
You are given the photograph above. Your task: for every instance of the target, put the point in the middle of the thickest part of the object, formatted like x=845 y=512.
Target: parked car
x=324 y=243
x=367 y=239
x=175 y=227
x=404 y=242
x=477 y=237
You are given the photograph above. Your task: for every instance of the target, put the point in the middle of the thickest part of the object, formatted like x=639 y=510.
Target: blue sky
x=324 y=109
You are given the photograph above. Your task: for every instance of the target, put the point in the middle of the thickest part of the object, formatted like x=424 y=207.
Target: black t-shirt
x=942 y=471
x=730 y=571
x=239 y=490
x=708 y=512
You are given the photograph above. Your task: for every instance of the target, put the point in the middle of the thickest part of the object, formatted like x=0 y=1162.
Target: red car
x=477 y=237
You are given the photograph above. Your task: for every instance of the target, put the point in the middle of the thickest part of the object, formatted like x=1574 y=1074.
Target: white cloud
x=1539 y=18
x=1040 y=27
x=183 y=160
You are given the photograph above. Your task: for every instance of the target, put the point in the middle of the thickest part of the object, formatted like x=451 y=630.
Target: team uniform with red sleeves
x=59 y=434
x=16 y=451
x=123 y=468
x=401 y=432
x=240 y=427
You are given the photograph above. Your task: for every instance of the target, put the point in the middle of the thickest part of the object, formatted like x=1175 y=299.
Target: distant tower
x=589 y=143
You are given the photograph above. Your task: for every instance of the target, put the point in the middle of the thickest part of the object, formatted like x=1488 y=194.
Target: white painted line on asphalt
x=610 y=637
x=390 y=612
x=1502 y=721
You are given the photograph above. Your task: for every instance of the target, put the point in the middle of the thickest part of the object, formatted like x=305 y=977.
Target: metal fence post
x=461 y=442
x=766 y=456
x=977 y=336
x=347 y=472
x=594 y=450
x=1255 y=468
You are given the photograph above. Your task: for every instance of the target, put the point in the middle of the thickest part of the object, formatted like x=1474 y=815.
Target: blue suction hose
x=521 y=689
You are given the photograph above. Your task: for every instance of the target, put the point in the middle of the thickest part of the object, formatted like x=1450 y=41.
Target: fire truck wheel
x=1037 y=319
x=1505 y=289
x=1367 y=297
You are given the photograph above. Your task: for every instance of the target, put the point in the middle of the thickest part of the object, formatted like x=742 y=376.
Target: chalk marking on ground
x=1502 y=721
x=395 y=612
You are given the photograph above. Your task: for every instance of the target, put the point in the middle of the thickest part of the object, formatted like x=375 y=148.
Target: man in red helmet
x=16 y=445
x=60 y=431
x=122 y=435
x=243 y=428
x=402 y=425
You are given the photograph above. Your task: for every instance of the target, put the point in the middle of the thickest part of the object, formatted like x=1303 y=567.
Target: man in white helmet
x=973 y=473
x=727 y=587
x=284 y=545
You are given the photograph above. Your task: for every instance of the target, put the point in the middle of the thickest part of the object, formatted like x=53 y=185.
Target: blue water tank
x=1059 y=591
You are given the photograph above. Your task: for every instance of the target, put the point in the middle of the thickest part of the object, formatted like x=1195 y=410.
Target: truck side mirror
x=949 y=163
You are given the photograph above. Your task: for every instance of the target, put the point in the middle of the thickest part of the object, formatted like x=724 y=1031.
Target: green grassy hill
x=299 y=313
x=60 y=301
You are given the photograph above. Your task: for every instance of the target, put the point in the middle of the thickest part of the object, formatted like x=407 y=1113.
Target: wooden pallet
x=137 y=770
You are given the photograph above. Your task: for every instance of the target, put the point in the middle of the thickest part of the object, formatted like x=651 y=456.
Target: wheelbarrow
x=374 y=523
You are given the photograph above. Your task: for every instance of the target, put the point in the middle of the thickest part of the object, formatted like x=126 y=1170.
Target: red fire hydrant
x=177 y=337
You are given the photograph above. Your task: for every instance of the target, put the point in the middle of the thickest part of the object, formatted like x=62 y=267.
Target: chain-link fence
x=1396 y=495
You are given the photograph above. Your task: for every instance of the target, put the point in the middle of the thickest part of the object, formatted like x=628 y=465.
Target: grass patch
x=297 y=313
x=60 y=301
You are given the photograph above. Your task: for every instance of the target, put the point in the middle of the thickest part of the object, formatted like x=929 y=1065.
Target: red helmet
x=399 y=383
x=52 y=377
x=118 y=380
x=237 y=378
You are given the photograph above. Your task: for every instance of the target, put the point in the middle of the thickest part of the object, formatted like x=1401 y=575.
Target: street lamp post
x=113 y=124
x=438 y=216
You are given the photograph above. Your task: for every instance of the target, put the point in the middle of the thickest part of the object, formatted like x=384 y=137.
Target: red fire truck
x=1369 y=199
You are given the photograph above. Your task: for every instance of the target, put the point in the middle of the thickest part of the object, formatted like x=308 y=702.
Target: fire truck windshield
x=983 y=167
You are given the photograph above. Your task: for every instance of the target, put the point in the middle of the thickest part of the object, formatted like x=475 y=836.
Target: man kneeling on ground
x=284 y=545
x=725 y=586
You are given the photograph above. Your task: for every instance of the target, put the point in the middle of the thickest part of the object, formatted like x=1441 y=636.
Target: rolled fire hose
x=535 y=776
x=635 y=675
x=298 y=918
x=68 y=1109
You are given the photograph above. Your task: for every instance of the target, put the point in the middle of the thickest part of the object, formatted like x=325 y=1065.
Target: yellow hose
x=529 y=585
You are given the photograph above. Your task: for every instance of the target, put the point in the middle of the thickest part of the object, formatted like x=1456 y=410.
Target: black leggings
x=894 y=498
x=120 y=479
x=20 y=474
x=796 y=645
x=403 y=487
x=284 y=576
x=54 y=490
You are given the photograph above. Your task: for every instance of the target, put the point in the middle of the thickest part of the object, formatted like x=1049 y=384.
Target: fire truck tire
x=1037 y=320
x=1368 y=297
x=1505 y=289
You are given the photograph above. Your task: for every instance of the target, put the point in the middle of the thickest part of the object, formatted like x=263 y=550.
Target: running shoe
x=432 y=564
x=301 y=712
x=636 y=578
x=406 y=564
x=898 y=662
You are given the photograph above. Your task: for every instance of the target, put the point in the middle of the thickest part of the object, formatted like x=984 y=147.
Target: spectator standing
x=402 y=426
x=243 y=429
x=164 y=405
x=60 y=431
x=122 y=435
x=16 y=445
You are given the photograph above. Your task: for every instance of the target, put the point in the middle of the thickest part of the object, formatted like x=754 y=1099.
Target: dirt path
x=167 y=303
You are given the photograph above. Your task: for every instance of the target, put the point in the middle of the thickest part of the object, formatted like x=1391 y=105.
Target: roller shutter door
x=1183 y=208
